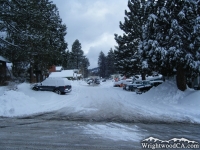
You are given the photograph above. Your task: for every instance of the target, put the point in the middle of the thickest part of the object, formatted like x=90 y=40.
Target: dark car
x=103 y=80
x=156 y=82
x=133 y=86
x=96 y=81
x=197 y=87
x=93 y=81
x=146 y=87
x=143 y=89
x=57 y=85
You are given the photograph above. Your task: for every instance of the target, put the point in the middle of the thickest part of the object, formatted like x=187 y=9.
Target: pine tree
x=110 y=69
x=168 y=42
x=66 y=60
x=77 y=59
x=102 y=64
x=76 y=54
x=126 y=51
x=84 y=66
x=35 y=34
x=155 y=36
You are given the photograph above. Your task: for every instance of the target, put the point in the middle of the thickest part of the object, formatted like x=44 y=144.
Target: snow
x=164 y=103
x=9 y=66
x=144 y=64
x=3 y=34
x=3 y=59
x=105 y=103
x=115 y=131
x=58 y=68
x=63 y=74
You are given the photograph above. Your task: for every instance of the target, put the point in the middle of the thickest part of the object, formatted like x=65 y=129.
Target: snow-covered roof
x=58 y=68
x=63 y=73
x=4 y=59
x=9 y=65
x=78 y=75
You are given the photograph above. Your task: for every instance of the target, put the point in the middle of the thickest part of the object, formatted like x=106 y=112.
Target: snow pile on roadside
x=166 y=101
x=13 y=102
x=166 y=93
x=2 y=89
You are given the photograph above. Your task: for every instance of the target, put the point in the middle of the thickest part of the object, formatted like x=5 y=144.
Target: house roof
x=58 y=68
x=63 y=73
x=4 y=59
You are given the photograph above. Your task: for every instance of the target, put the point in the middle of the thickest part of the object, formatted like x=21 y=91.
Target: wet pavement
x=39 y=132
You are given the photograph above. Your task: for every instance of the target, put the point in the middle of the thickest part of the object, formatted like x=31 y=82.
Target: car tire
x=58 y=92
x=35 y=89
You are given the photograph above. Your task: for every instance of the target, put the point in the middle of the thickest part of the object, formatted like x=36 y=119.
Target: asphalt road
x=52 y=134
x=41 y=133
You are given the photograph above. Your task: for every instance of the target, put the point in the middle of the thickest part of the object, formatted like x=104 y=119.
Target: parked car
x=197 y=87
x=117 y=83
x=143 y=88
x=156 y=82
x=149 y=77
x=147 y=86
x=103 y=80
x=96 y=81
x=57 y=85
x=93 y=81
x=122 y=83
x=89 y=81
x=132 y=86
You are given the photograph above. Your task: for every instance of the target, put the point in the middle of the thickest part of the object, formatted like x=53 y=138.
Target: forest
x=161 y=36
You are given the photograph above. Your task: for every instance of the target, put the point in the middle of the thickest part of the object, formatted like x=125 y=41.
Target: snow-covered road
x=96 y=114
x=105 y=103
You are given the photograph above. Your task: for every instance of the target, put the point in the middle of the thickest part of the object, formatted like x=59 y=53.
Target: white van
x=57 y=85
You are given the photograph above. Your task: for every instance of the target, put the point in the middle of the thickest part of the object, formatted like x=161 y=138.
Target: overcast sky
x=93 y=23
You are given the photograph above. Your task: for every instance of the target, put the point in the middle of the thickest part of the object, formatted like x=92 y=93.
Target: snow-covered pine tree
x=3 y=13
x=102 y=64
x=110 y=69
x=35 y=34
x=155 y=36
x=169 y=38
x=126 y=53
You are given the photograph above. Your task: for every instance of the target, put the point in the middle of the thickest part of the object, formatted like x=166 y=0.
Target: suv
x=57 y=85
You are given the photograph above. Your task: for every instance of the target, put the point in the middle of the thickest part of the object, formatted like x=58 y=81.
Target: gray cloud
x=93 y=23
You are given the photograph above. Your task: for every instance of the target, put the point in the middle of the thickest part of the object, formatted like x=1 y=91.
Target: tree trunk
x=143 y=76
x=31 y=74
x=181 y=79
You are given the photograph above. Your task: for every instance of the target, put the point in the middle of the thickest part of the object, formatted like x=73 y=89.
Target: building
x=70 y=74
x=55 y=69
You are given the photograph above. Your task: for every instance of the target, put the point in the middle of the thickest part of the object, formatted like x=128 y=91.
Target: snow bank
x=166 y=101
x=14 y=103
x=166 y=93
